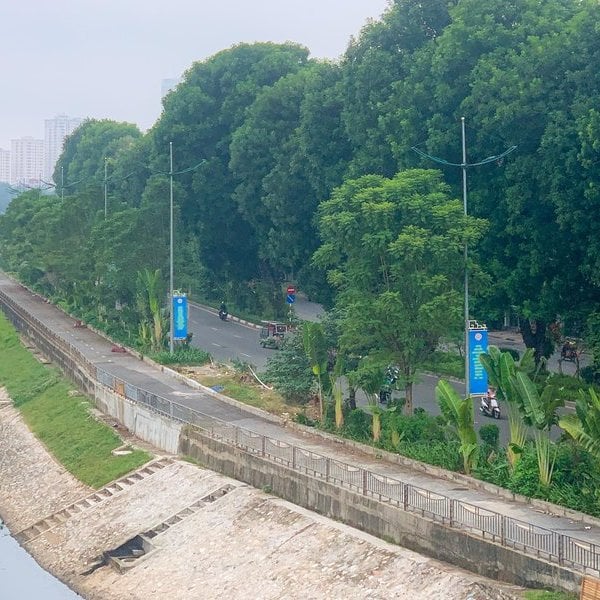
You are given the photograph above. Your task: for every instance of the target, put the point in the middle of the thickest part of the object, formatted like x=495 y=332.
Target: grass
x=242 y=387
x=60 y=418
x=543 y=595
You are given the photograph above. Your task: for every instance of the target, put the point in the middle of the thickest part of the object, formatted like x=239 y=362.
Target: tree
x=313 y=340
x=394 y=251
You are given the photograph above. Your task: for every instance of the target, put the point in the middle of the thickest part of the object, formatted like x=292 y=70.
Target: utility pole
x=62 y=183
x=172 y=316
x=466 y=257
x=105 y=185
x=464 y=165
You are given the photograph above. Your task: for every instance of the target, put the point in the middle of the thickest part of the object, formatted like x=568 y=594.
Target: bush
x=441 y=454
x=357 y=425
x=182 y=356
x=490 y=435
x=290 y=373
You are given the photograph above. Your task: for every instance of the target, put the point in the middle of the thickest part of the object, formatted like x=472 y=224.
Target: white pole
x=105 y=196
x=172 y=317
x=466 y=251
x=62 y=183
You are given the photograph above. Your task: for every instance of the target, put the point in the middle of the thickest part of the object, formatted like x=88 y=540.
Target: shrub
x=357 y=425
x=490 y=434
x=441 y=454
x=182 y=356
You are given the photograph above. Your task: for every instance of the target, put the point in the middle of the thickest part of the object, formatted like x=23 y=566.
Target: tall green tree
x=394 y=251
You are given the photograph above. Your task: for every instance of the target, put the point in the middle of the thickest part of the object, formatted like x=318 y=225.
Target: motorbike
x=223 y=315
x=489 y=406
x=391 y=377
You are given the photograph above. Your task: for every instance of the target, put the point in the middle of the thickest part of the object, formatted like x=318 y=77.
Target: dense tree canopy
x=262 y=134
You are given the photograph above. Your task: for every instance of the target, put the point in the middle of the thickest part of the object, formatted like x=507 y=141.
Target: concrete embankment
x=204 y=536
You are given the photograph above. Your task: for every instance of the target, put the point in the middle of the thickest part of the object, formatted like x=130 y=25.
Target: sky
x=106 y=59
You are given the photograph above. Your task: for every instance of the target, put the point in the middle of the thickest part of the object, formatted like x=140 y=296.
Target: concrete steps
x=108 y=491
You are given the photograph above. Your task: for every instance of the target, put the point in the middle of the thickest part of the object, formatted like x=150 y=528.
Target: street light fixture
x=463 y=165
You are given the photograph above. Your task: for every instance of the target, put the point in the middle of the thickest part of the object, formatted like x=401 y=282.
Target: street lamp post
x=105 y=186
x=466 y=256
x=463 y=165
x=171 y=316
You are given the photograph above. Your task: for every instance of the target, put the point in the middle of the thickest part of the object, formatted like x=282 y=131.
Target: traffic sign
x=291 y=298
x=291 y=290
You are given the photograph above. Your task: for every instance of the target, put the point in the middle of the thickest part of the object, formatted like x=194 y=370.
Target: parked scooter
x=489 y=404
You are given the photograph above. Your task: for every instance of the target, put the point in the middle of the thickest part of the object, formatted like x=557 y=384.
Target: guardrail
x=530 y=539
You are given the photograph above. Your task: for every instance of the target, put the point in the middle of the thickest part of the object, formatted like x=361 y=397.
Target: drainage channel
x=125 y=556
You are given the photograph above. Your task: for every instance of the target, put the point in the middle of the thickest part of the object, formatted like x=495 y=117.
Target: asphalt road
x=229 y=340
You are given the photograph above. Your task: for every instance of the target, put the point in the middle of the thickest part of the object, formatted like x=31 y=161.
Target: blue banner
x=180 y=317
x=478 y=344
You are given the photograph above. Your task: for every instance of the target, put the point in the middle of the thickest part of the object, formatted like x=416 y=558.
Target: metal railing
x=509 y=532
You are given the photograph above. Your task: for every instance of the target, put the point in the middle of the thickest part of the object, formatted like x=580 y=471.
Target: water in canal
x=21 y=578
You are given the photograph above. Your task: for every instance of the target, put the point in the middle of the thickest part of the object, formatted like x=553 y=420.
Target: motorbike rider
x=489 y=401
x=223 y=311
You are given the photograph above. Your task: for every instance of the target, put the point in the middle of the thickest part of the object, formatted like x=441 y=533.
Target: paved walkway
x=129 y=368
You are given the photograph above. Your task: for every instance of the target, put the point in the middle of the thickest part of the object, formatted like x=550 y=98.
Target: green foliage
x=445 y=364
x=59 y=418
x=182 y=356
x=459 y=414
x=548 y=595
x=393 y=249
x=289 y=371
x=584 y=426
x=490 y=435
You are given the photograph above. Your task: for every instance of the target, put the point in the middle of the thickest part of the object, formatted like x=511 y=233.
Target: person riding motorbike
x=223 y=312
x=489 y=404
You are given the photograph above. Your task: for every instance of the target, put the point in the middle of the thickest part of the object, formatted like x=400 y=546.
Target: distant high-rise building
x=56 y=130
x=27 y=161
x=4 y=165
x=168 y=84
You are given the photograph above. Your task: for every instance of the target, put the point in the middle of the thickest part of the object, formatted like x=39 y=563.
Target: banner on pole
x=478 y=344
x=180 y=317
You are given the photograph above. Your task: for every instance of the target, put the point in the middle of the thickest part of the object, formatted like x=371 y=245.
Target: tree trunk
x=352 y=398
x=534 y=336
x=408 y=405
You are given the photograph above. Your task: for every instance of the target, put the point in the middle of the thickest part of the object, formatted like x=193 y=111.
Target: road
x=228 y=341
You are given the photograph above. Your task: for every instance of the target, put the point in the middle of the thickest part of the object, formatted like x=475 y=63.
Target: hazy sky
x=107 y=58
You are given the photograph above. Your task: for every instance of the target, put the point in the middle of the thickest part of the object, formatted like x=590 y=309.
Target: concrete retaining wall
x=382 y=520
x=141 y=421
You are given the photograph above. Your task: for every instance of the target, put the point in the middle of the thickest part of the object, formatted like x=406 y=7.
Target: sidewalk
x=129 y=368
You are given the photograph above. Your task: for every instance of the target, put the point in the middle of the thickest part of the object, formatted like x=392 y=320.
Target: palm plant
x=539 y=413
x=584 y=426
x=501 y=368
x=459 y=414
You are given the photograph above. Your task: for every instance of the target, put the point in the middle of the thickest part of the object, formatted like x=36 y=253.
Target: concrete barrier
x=378 y=518
x=141 y=421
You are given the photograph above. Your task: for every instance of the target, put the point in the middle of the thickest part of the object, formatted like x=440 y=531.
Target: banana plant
x=458 y=413
x=539 y=413
x=501 y=369
x=584 y=426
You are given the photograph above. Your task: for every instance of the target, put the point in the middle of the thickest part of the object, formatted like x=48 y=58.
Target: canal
x=21 y=578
